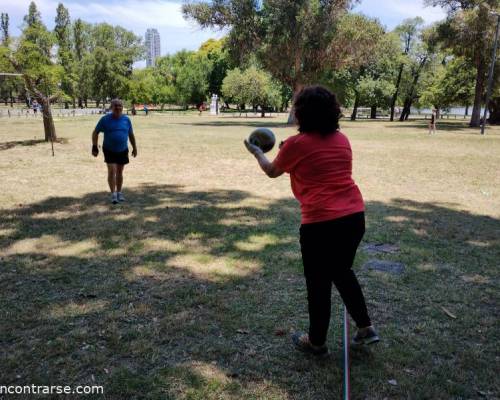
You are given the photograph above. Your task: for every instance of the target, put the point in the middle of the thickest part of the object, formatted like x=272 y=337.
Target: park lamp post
x=492 y=71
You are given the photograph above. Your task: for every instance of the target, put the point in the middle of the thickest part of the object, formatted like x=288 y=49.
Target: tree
x=448 y=84
x=191 y=82
x=62 y=32
x=82 y=32
x=252 y=86
x=111 y=55
x=467 y=32
x=32 y=58
x=220 y=63
x=8 y=85
x=292 y=40
x=367 y=85
x=4 y=26
x=408 y=33
x=420 y=59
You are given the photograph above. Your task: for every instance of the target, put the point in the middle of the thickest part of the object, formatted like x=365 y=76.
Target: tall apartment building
x=153 y=48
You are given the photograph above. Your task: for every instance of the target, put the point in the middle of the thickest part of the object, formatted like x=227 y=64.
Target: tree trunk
x=48 y=121
x=467 y=110
x=80 y=102
x=11 y=99
x=373 y=112
x=409 y=99
x=396 y=93
x=494 y=108
x=297 y=87
x=475 y=120
x=354 y=114
x=97 y=102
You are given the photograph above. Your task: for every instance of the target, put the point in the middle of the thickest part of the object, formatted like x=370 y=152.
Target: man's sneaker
x=121 y=197
x=302 y=343
x=114 y=198
x=365 y=337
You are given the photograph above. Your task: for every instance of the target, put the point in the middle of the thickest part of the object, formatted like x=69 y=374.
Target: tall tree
x=32 y=57
x=420 y=60
x=449 y=83
x=408 y=32
x=468 y=32
x=4 y=26
x=62 y=32
x=81 y=33
x=220 y=63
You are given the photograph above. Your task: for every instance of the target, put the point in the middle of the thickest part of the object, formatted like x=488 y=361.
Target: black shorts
x=112 y=157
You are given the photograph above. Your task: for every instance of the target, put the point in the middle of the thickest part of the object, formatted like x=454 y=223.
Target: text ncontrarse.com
x=50 y=389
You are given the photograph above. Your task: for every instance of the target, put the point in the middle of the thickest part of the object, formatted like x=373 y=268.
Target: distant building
x=153 y=48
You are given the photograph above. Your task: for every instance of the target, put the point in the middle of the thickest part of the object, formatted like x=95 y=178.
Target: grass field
x=189 y=290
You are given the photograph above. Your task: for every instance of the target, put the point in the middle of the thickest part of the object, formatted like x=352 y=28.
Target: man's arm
x=131 y=137
x=271 y=170
x=95 y=138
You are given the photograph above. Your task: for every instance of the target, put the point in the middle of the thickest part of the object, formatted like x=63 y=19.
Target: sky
x=177 y=33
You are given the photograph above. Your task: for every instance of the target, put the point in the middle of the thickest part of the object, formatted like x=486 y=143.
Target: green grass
x=181 y=293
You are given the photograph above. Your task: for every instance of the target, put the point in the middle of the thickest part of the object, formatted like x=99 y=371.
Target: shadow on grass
x=457 y=127
x=17 y=143
x=260 y=122
x=180 y=294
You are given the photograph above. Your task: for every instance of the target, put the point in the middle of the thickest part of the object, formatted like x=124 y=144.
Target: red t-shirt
x=320 y=169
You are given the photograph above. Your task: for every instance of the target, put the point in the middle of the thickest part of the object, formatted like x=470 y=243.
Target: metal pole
x=490 y=76
x=347 y=375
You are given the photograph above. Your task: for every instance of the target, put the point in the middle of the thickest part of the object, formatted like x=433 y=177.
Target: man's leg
x=112 y=177
x=119 y=177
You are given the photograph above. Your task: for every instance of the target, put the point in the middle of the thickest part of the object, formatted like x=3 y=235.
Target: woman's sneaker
x=114 y=198
x=121 y=197
x=365 y=337
x=302 y=343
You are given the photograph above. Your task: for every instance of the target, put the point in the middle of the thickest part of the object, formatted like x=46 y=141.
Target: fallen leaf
x=243 y=331
x=392 y=382
x=279 y=332
x=448 y=313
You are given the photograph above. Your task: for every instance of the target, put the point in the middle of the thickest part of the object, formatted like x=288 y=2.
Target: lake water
x=452 y=110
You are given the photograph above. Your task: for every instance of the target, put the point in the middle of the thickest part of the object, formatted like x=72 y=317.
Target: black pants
x=328 y=251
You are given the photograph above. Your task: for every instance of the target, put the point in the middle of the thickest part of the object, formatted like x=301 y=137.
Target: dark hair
x=317 y=110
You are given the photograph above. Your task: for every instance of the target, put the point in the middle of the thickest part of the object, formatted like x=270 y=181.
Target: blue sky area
x=176 y=33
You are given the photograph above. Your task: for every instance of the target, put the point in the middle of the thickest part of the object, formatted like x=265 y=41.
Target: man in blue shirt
x=117 y=130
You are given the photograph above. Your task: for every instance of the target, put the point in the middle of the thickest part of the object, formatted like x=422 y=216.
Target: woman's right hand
x=253 y=149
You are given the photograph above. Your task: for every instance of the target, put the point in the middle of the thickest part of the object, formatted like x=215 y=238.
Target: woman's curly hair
x=317 y=110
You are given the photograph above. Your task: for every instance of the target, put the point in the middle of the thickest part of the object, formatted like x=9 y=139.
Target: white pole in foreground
x=347 y=374
x=490 y=76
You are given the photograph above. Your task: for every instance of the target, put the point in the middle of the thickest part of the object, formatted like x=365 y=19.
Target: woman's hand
x=253 y=149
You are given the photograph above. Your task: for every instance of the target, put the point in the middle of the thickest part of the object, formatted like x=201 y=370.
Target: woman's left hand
x=253 y=149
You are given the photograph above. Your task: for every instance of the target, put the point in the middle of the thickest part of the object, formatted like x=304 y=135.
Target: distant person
x=34 y=106
x=117 y=129
x=319 y=161
x=146 y=110
x=433 y=122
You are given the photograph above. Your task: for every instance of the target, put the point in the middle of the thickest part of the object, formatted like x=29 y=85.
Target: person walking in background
x=117 y=129
x=433 y=122
x=319 y=161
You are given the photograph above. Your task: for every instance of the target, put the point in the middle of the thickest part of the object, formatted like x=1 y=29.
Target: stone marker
x=375 y=248
x=390 y=267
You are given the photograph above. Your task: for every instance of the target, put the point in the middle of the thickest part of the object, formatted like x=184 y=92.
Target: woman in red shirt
x=319 y=161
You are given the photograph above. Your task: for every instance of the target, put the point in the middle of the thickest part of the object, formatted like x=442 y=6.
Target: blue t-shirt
x=116 y=132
